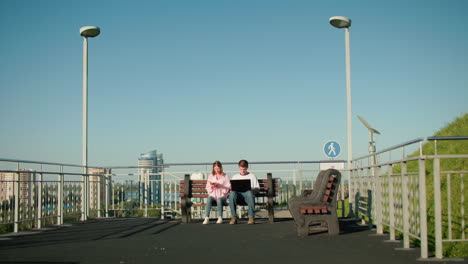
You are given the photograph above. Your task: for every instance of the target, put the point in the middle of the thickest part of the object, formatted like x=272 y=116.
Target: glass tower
x=150 y=166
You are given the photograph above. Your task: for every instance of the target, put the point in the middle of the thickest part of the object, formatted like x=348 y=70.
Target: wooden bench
x=197 y=189
x=318 y=205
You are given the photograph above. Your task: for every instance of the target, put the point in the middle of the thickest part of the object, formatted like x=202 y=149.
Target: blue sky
x=224 y=80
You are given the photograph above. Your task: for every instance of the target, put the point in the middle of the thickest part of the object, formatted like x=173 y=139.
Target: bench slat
x=314 y=210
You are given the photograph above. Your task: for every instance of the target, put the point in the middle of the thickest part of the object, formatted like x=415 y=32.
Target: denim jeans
x=219 y=204
x=249 y=199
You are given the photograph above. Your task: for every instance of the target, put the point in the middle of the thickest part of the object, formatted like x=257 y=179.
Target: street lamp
x=344 y=22
x=86 y=32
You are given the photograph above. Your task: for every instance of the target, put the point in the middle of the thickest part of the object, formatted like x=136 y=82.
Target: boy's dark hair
x=243 y=163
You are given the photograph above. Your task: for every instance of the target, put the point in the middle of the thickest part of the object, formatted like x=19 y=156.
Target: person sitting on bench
x=244 y=194
x=218 y=187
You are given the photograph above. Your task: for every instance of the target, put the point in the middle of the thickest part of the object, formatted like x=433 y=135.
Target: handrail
x=49 y=172
x=228 y=163
x=392 y=148
x=173 y=164
x=448 y=138
x=41 y=162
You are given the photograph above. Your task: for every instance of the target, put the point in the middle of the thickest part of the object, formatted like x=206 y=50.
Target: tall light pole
x=86 y=32
x=344 y=22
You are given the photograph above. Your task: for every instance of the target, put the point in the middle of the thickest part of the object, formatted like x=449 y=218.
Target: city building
x=97 y=179
x=7 y=185
x=150 y=166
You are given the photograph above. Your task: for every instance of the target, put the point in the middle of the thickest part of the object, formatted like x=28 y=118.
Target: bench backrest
x=326 y=186
x=331 y=189
x=197 y=188
x=315 y=192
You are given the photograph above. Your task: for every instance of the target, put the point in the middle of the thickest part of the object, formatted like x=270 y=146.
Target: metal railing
x=408 y=190
x=410 y=195
x=300 y=175
x=34 y=194
x=41 y=192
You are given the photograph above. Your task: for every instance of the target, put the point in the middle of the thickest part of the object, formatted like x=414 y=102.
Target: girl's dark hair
x=217 y=163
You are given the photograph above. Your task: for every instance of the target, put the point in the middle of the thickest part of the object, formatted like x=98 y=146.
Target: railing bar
x=393 y=147
x=454 y=240
x=449 y=207
x=448 y=138
x=462 y=201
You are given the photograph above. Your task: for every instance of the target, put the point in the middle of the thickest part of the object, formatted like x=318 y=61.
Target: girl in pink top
x=218 y=187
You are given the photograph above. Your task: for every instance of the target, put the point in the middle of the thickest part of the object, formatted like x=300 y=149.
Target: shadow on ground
x=151 y=240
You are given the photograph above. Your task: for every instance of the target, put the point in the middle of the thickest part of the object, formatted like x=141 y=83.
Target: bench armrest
x=255 y=192
x=306 y=193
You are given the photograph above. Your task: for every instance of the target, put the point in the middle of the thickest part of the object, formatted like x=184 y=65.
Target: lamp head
x=371 y=130
x=340 y=22
x=89 y=31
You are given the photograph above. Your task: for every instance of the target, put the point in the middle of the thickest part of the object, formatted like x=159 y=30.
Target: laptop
x=240 y=185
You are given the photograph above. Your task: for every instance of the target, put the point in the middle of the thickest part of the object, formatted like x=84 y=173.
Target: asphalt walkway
x=151 y=240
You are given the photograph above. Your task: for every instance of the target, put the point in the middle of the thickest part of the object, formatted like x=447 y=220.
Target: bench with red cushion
x=318 y=205
x=197 y=189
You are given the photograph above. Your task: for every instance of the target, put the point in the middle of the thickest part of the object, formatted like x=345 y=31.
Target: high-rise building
x=94 y=181
x=150 y=165
x=6 y=185
x=26 y=179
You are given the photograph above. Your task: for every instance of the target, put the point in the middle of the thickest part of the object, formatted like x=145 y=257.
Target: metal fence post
x=83 y=196
x=437 y=209
x=406 y=217
x=422 y=207
x=98 y=198
x=16 y=193
x=39 y=201
x=163 y=187
x=112 y=196
x=462 y=202
x=60 y=198
x=88 y=194
x=391 y=202
x=294 y=183
x=449 y=206
x=378 y=201
x=351 y=193
x=146 y=194
x=106 y=199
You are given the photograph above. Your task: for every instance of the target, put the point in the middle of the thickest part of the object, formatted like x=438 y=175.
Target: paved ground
x=151 y=240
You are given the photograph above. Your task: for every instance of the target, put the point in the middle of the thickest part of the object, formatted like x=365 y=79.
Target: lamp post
x=344 y=22
x=86 y=32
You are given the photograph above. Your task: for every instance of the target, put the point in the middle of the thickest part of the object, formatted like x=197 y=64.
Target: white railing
x=403 y=195
x=408 y=190
x=294 y=177
x=36 y=193
x=32 y=192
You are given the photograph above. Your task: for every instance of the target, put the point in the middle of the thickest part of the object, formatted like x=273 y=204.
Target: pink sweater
x=223 y=188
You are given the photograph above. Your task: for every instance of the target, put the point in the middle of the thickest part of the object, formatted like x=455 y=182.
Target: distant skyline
x=224 y=80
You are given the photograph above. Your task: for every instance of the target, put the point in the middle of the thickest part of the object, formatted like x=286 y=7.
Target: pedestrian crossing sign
x=332 y=149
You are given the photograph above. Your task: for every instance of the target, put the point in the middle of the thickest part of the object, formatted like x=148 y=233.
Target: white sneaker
x=220 y=220
x=206 y=221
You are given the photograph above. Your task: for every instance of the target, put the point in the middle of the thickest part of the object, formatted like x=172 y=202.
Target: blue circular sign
x=332 y=149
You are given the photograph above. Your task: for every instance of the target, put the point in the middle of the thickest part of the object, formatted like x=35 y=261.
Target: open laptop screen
x=240 y=185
